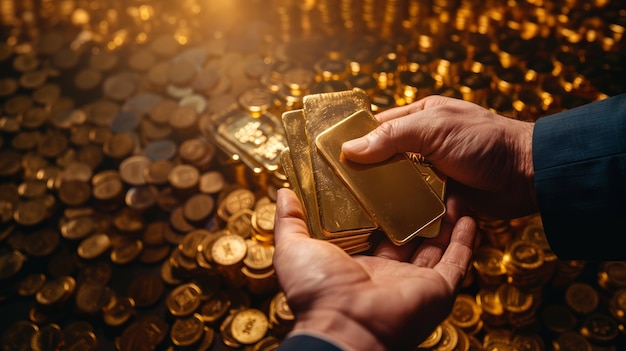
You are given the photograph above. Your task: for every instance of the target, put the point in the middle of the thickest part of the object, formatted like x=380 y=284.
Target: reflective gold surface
x=393 y=192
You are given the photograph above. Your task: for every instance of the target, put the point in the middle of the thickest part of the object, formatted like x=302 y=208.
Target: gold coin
x=181 y=72
x=145 y=333
x=524 y=255
x=178 y=222
x=119 y=146
x=229 y=250
x=26 y=140
x=198 y=208
x=465 y=312
x=269 y=343
x=30 y=284
x=184 y=177
x=141 y=60
x=87 y=79
x=154 y=234
x=582 y=298
x=93 y=246
x=240 y=223
x=74 y=192
x=42 y=242
x=189 y=246
x=193 y=150
x=133 y=168
x=11 y=263
x=26 y=62
x=8 y=86
x=226 y=334
x=239 y=199
x=211 y=182
x=47 y=94
x=263 y=217
x=32 y=188
x=187 y=331
x=146 y=290
x=103 y=61
x=215 y=308
x=204 y=248
x=91 y=298
x=17 y=104
x=168 y=275
x=283 y=311
x=154 y=254
x=18 y=335
x=141 y=198
x=433 y=338
x=56 y=291
x=120 y=86
x=248 y=326
x=30 y=212
x=126 y=251
x=119 y=311
x=183 y=300
x=259 y=256
x=52 y=144
x=50 y=337
x=449 y=337
x=158 y=171
x=33 y=79
x=158 y=74
x=129 y=221
x=33 y=117
x=66 y=58
x=164 y=45
x=183 y=119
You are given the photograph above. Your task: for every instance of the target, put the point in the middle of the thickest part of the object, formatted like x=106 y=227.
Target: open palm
x=391 y=300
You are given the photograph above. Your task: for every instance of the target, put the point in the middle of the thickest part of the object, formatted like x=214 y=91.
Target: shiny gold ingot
x=377 y=186
x=338 y=210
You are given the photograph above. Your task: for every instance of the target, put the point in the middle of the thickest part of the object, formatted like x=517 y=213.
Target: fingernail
x=357 y=145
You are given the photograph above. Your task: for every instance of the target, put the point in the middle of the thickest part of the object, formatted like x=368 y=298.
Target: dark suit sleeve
x=579 y=158
x=304 y=342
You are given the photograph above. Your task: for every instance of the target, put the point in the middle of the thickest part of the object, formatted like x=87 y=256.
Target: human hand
x=488 y=154
x=389 y=301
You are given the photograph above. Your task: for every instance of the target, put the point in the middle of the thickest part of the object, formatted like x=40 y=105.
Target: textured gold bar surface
x=339 y=211
x=393 y=192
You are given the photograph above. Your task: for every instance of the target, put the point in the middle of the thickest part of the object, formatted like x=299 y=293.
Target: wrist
x=338 y=329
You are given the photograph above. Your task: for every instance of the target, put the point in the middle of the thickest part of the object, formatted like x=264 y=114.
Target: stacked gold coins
x=141 y=147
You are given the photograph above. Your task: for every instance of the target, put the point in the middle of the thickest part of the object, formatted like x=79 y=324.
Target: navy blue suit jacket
x=579 y=158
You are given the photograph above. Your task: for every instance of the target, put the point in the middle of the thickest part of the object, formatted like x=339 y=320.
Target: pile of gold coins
x=140 y=149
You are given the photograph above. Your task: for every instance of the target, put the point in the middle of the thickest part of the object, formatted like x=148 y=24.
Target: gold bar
x=393 y=192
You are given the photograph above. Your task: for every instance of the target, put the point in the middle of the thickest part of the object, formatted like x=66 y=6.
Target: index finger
x=420 y=105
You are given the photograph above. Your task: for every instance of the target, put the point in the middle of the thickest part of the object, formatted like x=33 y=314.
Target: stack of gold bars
x=345 y=202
